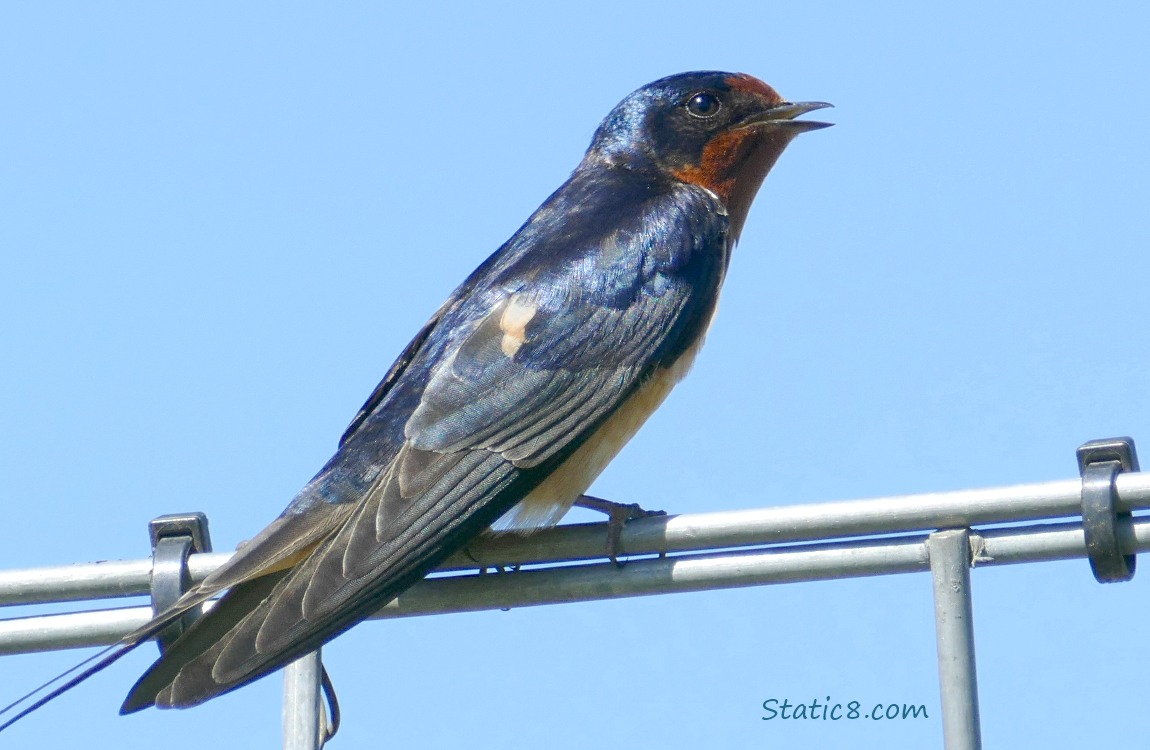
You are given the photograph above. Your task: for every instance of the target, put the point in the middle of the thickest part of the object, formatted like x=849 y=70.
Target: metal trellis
x=667 y=554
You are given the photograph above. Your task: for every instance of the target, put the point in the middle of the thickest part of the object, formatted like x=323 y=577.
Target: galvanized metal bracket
x=174 y=537
x=1099 y=462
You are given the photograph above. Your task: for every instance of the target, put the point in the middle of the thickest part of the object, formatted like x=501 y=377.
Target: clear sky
x=221 y=223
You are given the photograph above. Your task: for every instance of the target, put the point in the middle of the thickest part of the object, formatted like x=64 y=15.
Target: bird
x=513 y=397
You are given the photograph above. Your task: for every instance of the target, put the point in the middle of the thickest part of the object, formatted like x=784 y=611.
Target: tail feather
x=110 y=655
x=262 y=624
x=106 y=657
x=153 y=688
x=103 y=659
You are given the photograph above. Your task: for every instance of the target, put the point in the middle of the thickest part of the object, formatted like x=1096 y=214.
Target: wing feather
x=535 y=351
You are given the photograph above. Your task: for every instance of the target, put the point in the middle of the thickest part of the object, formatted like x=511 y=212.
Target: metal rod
x=302 y=715
x=654 y=535
x=950 y=557
x=588 y=582
x=102 y=580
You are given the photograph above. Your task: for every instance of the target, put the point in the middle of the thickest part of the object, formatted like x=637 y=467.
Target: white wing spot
x=513 y=323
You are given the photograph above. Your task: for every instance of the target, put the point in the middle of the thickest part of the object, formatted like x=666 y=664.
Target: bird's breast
x=550 y=500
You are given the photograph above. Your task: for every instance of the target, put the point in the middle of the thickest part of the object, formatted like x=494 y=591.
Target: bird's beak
x=783 y=116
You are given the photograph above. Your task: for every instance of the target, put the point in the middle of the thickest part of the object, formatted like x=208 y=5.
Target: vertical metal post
x=302 y=717
x=954 y=624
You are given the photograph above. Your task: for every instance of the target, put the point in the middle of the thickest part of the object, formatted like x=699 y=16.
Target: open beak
x=783 y=116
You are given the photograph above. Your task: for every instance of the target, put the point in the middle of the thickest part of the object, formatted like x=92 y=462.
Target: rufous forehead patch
x=751 y=85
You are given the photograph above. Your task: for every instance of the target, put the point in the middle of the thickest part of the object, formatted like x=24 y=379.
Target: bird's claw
x=618 y=514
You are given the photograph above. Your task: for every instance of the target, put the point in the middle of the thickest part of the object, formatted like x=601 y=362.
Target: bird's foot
x=495 y=568
x=618 y=514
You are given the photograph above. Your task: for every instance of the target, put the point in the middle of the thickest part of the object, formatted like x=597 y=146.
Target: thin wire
x=329 y=728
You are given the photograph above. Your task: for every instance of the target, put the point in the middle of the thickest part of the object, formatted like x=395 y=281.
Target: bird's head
x=721 y=131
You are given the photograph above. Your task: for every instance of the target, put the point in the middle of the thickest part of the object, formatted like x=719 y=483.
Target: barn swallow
x=514 y=396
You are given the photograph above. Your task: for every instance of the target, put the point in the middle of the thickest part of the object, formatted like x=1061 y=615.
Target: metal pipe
x=301 y=712
x=107 y=579
x=950 y=555
x=571 y=583
x=654 y=535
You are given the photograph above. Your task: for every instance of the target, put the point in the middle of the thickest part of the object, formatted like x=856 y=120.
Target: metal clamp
x=1099 y=462
x=174 y=537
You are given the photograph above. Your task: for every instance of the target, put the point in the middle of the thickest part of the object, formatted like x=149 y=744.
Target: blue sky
x=222 y=223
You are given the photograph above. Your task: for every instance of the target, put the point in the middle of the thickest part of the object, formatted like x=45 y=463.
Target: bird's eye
x=703 y=104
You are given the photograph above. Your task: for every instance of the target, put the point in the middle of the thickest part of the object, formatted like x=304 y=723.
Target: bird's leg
x=618 y=514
